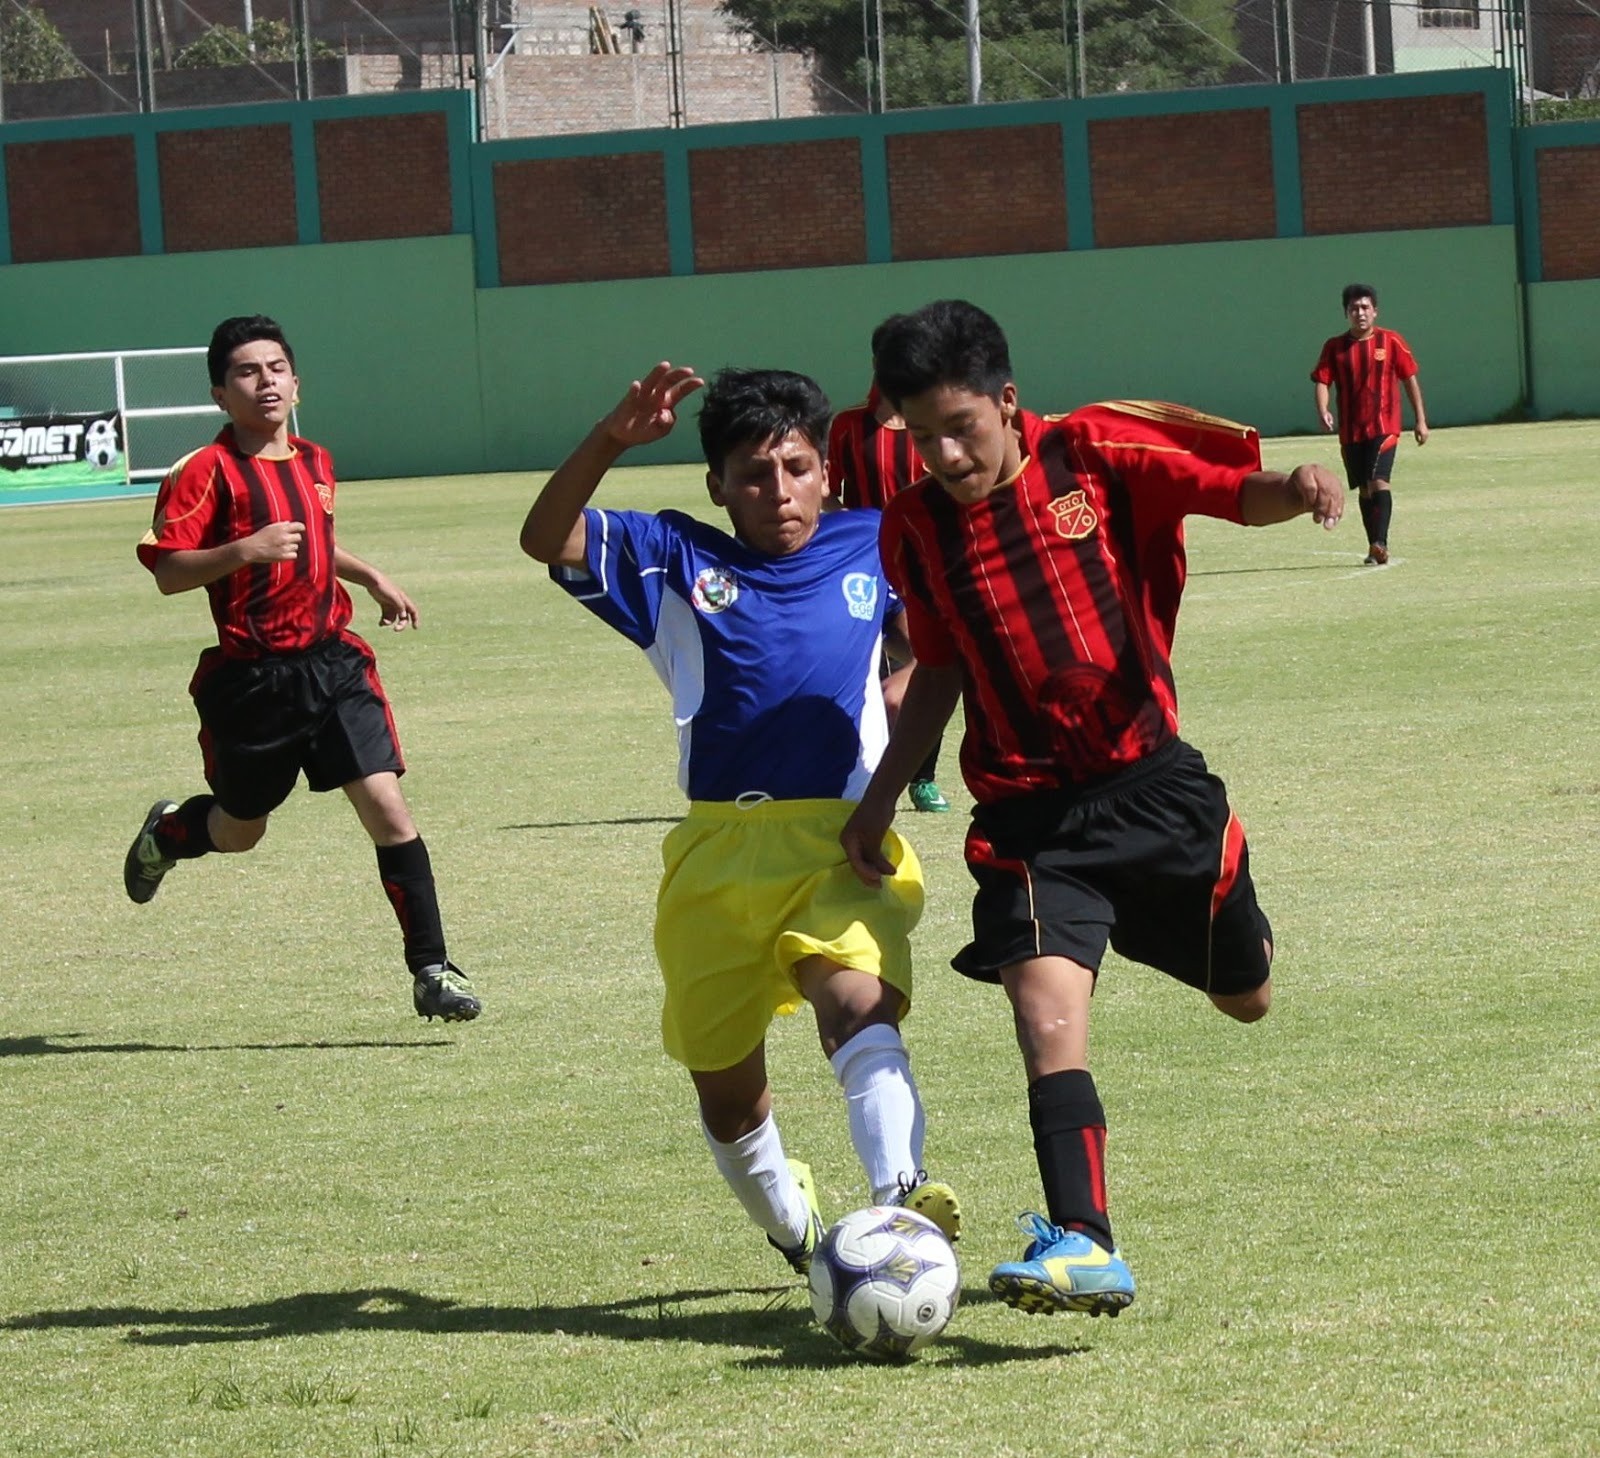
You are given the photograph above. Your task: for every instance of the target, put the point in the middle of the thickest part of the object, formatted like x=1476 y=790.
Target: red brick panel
x=1569 y=212
x=73 y=199
x=1198 y=177
x=227 y=187
x=788 y=205
x=1404 y=162
x=383 y=177
x=570 y=219
x=972 y=194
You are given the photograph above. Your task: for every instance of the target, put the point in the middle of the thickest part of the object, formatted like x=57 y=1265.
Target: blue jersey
x=772 y=662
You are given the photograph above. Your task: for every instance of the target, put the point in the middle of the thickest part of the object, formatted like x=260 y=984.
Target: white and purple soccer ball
x=885 y=1283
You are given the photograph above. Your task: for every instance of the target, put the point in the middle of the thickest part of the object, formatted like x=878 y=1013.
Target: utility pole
x=974 y=55
x=143 y=61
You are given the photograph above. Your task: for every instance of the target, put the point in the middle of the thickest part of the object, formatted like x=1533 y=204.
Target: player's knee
x=1245 y=1007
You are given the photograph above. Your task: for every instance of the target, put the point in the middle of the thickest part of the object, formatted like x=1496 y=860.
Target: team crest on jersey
x=1075 y=518
x=325 y=492
x=860 y=594
x=715 y=591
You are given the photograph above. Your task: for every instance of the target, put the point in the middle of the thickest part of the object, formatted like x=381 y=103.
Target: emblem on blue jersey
x=860 y=595
x=715 y=590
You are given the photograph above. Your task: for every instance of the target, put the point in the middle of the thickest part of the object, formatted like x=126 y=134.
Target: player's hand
x=1421 y=433
x=1321 y=493
x=650 y=408
x=862 y=839
x=1327 y=420
x=278 y=541
x=396 y=610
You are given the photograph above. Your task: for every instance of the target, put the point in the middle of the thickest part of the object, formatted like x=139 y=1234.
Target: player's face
x=1363 y=315
x=259 y=387
x=773 y=492
x=968 y=441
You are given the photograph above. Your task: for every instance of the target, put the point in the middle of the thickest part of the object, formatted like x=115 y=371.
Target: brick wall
x=790 y=205
x=570 y=219
x=972 y=193
x=227 y=187
x=72 y=199
x=1396 y=163
x=383 y=177
x=1192 y=178
x=1569 y=212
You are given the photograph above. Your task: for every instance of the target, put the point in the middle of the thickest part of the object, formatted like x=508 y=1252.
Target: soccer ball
x=885 y=1283
x=100 y=443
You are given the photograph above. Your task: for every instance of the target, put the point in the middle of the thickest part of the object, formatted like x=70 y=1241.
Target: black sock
x=929 y=768
x=407 y=876
x=1069 y=1141
x=1366 y=518
x=1382 y=510
x=182 y=834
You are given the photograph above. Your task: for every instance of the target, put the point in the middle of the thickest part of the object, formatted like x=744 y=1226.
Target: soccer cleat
x=934 y=1199
x=799 y=1256
x=1062 y=1270
x=1380 y=554
x=928 y=797
x=442 y=991
x=144 y=865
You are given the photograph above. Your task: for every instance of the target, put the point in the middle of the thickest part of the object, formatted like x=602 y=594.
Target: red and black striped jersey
x=215 y=496
x=1057 y=594
x=1365 y=375
x=868 y=461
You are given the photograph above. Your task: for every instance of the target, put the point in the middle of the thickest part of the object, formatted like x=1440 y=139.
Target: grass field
x=252 y=1206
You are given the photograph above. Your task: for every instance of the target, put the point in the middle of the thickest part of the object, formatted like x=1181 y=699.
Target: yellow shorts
x=748 y=893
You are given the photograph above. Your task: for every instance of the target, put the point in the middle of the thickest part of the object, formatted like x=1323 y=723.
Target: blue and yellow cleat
x=1062 y=1270
x=799 y=1256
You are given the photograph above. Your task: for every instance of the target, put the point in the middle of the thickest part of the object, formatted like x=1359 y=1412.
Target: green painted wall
x=1232 y=328
x=1564 y=320
x=408 y=369
x=383 y=334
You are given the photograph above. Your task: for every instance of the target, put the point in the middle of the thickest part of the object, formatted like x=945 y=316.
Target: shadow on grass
x=48 y=1043
x=585 y=824
x=1285 y=567
x=781 y=1320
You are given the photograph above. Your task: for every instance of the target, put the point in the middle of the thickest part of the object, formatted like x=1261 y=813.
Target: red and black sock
x=407 y=876
x=1069 y=1141
x=182 y=834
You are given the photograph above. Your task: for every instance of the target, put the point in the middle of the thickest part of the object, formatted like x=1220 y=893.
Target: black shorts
x=1152 y=861
x=1366 y=461
x=263 y=720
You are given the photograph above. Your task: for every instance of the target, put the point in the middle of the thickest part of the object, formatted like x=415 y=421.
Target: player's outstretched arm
x=553 y=530
x=930 y=698
x=395 y=609
x=1269 y=497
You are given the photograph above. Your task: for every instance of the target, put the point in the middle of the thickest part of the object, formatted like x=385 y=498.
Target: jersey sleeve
x=1405 y=363
x=186 y=508
x=1178 y=462
x=907 y=572
x=1323 y=373
x=627 y=557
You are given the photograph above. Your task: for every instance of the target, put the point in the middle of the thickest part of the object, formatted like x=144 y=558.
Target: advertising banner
x=41 y=455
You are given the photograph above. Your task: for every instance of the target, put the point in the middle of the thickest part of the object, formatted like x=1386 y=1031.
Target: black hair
x=1352 y=292
x=241 y=329
x=949 y=342
x=744 y=406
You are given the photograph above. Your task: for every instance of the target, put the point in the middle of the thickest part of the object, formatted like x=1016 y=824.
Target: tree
x=1130 y=45
x=269 y=40
x=31 y=48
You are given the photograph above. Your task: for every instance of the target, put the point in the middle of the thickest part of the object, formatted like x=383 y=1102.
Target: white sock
x=886 y=1119
x=758 y=1174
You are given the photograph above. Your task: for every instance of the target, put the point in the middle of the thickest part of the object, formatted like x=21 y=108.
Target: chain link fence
x=542 y=67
